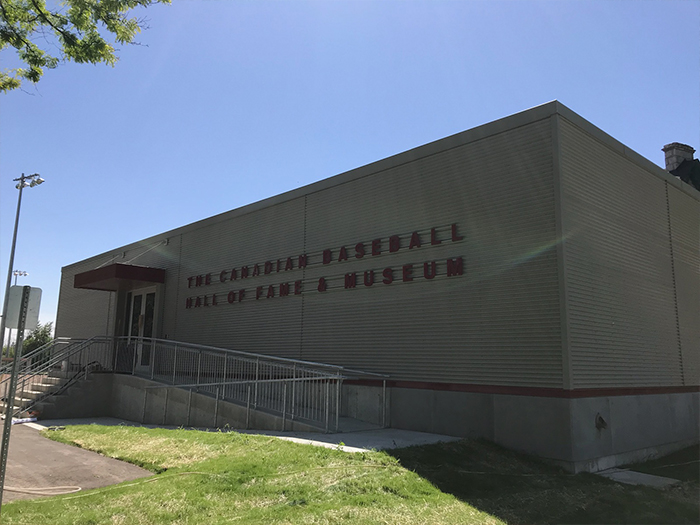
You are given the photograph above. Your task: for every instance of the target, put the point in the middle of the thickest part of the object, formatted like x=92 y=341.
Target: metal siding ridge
x=595 y=201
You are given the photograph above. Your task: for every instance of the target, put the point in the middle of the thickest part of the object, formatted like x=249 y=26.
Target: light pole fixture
x=22 y=182
x=19 y=273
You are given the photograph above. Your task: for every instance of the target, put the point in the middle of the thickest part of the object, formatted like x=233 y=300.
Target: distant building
x=531 y=281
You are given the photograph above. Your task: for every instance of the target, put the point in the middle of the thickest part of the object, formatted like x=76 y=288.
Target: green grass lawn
x=212 y=478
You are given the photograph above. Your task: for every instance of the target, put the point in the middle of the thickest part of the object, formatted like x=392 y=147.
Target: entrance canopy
x=118 y=276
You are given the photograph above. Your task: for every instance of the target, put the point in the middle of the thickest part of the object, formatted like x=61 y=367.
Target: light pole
x=22 y=182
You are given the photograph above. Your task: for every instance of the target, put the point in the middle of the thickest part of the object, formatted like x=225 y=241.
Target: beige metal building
x=531 y=281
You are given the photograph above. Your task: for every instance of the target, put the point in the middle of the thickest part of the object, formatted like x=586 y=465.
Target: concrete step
x=62 y=374
x=52 y=380
x=3 y=408
x=20 y=402
x=34 y=394
x=45 y=387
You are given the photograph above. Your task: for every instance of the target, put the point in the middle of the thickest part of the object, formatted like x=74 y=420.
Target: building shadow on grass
x=518 y=488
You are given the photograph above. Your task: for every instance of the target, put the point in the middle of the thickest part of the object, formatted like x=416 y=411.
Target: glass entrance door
x=141 y=319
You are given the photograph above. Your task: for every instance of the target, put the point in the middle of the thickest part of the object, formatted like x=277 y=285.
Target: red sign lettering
x=388 y=274
x=454 y=267
x=456 y=237
x=394 y=243
x=350 y=280
x=415 y=241
x=433 y=237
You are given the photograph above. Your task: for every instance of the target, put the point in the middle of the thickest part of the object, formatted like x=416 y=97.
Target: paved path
x=356 y=441
x=37 y=462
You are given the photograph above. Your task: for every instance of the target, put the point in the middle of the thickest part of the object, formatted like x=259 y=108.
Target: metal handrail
x=251 y=381
x=30 y=373
x=252 y=355
x=5 y=369
x=292 y=388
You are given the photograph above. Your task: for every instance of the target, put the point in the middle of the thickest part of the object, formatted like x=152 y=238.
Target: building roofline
x=523 y=118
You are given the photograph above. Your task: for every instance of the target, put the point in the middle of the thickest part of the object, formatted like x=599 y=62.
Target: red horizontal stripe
x=529 y=391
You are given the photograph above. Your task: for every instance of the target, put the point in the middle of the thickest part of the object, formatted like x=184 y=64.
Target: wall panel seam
x=675 y=284
x=561 y=256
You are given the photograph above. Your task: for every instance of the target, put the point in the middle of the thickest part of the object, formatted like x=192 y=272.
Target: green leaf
x=83 y=30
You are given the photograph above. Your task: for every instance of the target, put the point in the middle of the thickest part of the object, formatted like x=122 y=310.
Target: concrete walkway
x=359 y=441
x=630 y=477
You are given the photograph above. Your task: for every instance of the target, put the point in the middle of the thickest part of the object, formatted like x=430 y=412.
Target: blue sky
x=229 y=102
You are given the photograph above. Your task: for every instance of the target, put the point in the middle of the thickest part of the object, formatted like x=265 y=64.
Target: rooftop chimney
x=676 y=153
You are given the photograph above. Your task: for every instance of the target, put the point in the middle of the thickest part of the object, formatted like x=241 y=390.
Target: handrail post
x=133 y=365
x=338 y=390
x=328 y=395
x=294 y=387
x=257 y=379
x=384 y=403
x=153 y=359
x=284 y=407
x=199 y=368
x=115 y=351
x=223 y=377
x=165 y=406
x=216 y=408
x=247 y=411
x=174 y=363
x=143 y=413
x=189 y=407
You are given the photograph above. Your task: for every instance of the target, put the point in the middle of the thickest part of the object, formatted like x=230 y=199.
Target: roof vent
x=676 y=153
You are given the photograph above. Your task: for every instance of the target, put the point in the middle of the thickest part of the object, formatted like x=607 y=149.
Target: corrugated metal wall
x=684 y=221
x=264 y=325
x=623 y=329
x=498 y=323
x=83 y=313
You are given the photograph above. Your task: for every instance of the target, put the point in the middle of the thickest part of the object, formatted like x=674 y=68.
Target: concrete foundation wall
x=91 y=398
x=587 y=434
x=636 y=428
x=366 y=403
x=127 y=397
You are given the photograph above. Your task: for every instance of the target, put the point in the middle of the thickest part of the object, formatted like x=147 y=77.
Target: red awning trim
x=119 y=277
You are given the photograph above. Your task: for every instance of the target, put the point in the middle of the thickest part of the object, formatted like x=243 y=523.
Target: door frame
x=139 y=326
